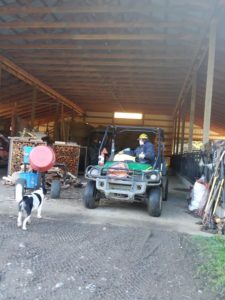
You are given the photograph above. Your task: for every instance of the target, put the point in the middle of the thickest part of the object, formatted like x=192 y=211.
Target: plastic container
x=32 y=179
x=42 y=158
x=26 y=153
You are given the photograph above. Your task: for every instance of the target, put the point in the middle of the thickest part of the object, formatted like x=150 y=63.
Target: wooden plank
x=98 y=114
x=158 y=123
x=209 y=81
x=143 y=56
x=100 y=24
x=180 y=8
x=71 y=62
x=140 y=47
x=98 y=37
x=99 y=120
x=180 y=70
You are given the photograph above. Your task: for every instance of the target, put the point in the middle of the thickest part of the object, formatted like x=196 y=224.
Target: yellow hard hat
x=143 y=136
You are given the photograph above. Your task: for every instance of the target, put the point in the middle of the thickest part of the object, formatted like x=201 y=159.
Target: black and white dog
x=27 y=204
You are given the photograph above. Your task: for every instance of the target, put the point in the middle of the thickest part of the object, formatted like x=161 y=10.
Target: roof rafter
x=31 y=80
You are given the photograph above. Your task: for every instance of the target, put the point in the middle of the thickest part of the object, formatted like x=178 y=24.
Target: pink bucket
x=42 y=158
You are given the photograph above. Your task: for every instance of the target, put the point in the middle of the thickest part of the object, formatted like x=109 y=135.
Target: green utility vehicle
x=126 y=179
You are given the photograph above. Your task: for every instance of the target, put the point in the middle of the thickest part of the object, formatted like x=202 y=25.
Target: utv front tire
x=154 y=201
x=90 y=198
x=55 y=189
x=165 y=190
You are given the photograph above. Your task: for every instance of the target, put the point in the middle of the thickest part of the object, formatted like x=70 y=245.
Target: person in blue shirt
x=144 y=153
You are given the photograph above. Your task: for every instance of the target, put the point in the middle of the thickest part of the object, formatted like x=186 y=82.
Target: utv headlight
x=154 y=177
x=95 y=172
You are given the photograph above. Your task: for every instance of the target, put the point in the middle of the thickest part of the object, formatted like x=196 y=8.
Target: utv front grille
x=124 y=187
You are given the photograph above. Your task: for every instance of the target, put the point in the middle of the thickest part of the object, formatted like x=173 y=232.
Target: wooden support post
x=209 y=81
x=0 y=74
x=178 y=131
x=174 y=134
x=62 y=123
x=70 y=127
x=183 y=127
x=0 y=80
x=192 y=112
x=34 y=100
x=56 y=123
x=13 y=120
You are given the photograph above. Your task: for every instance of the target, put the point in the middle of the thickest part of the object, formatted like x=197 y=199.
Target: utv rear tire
x=55 y=189
x=165 y=190
x=90 y=198
x=154 y=201
x=20 y=189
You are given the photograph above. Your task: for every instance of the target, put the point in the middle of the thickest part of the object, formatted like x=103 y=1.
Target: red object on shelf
x=42 y=158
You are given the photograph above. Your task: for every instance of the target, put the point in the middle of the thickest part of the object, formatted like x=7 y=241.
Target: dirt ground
x=113 y=252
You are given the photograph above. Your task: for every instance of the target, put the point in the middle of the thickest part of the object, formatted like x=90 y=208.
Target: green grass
x=212 y=269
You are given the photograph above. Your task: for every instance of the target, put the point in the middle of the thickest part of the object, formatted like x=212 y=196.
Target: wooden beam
x=180 y=70
x=85 y=62
x=33 y=106
x=184 y=111
x=209 y=81
x=178 y=131
x=109 y=9
x=100 y=24
x=181 y=49
x=143 y=56
x=174 y=134
x=31 y=80
x=98 y=37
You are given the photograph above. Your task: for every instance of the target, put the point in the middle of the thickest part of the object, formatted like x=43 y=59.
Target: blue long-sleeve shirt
x=148 y=149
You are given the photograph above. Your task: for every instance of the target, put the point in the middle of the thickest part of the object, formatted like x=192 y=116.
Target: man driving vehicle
x=144 y=153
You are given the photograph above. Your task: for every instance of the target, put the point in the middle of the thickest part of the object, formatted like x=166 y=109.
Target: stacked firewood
x=68 y=154
x=16 y=152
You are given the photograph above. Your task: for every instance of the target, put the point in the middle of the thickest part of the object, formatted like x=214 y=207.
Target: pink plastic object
x=42 y=158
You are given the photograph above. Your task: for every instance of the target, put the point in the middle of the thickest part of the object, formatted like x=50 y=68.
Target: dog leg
x=19 y=219
x=24 y=227
x=29 y=220
x=39 y=212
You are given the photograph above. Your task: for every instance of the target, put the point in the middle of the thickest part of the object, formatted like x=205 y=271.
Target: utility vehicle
x=122 y=177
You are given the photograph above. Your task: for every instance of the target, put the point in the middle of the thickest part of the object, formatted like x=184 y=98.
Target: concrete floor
x=174 y=214
x=113 y=252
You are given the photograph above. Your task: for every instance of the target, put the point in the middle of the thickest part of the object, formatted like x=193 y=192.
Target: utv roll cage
x=113 y=131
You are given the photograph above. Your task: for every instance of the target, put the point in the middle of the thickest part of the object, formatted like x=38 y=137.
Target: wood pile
x=68 y=154
x=67 y=179
x=16 y=152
